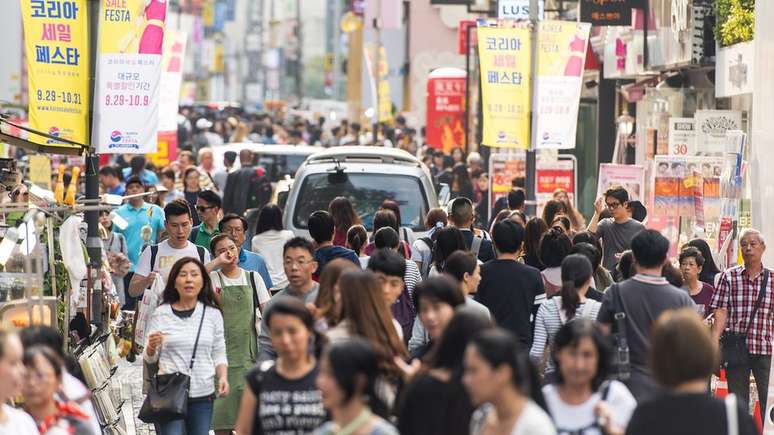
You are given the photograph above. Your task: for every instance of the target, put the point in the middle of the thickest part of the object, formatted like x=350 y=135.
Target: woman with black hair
x=569 y=304
x=435 y=402
x=188 y=326
x=268 y=242
x=533 y=233
x=447 y=241
x=344 y=217
x=554 y=247
x=347 y=382
x=500 y=378
x=282 y=396
x=581 y=401
x=602 y=277
x=709 y=270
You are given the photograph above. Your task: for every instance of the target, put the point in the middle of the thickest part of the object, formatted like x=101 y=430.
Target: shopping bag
x=151 y=299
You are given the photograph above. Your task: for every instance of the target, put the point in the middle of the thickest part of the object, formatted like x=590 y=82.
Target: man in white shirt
x=178 y=225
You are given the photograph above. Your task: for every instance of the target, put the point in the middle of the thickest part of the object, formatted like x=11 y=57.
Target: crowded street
x=383 y=217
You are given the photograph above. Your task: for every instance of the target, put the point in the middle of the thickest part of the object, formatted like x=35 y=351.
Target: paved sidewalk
x=130 y=375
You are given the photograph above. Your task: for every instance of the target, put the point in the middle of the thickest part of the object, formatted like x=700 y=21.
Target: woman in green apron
x=241 y=296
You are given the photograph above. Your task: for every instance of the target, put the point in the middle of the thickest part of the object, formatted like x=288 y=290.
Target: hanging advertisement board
x=126 y=103
x=445 y=126
x=630 y=177
x=56 y=46
x=553 y=175
x=505 y=85
x=560 y=61
x=504 y=169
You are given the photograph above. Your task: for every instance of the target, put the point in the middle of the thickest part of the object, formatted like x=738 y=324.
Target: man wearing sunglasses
x=208 y=206
x=616 y=232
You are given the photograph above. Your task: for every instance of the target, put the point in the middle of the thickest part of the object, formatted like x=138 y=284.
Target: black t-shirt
x=433 y=407
x=183 y=314
x=686 y=414
x=508 y=288
x=285 y=406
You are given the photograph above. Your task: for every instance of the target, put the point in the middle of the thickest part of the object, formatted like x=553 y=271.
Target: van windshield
x=366 y=192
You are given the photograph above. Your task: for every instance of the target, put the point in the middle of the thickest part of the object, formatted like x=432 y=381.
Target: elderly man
x=743 y=303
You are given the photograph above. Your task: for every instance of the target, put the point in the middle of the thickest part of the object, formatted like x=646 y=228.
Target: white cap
x=203 y=123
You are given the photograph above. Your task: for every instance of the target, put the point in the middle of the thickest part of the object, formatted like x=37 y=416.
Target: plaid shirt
x=737 y=294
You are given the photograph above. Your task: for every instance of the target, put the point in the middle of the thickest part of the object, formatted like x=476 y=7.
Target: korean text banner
x=561 y=56
x=505 y=86
x=128 y=71
x=56 y=46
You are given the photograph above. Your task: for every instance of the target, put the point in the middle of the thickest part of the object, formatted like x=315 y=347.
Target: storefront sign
x=504 y=168
x=462 y=35
x=561 y=57
x=57 y=50
x=608 y=12
x=682 y=137
x=128 y=73
x=553 y=175
x=505 y=85
x=445 y=127
x=630 y=177
x=517 y=9
x=711 y=128
x=734 y=69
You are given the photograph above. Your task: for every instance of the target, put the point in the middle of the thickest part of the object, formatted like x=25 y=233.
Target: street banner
x=171 y=79
x=711 y=128
x=505 y=85
x=553 y=175
x=630 y=177
x=561 y=58
x=380 y=85
x=167 y=149
x=56 y=46
x=682 y=137
x=126 y=104
x=462 y=35
x=11 y=66
x=445 y=126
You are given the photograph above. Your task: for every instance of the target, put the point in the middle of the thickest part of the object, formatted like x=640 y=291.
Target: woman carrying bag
x=187 y=342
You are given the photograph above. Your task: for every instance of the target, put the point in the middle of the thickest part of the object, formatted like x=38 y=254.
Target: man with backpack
x=477 y=240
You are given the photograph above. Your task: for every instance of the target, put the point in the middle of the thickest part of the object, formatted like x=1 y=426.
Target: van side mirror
x=443 y=194
x=282 y=199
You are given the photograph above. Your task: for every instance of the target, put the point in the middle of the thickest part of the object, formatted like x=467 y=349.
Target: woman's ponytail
x=570 y=298
x=576 y=271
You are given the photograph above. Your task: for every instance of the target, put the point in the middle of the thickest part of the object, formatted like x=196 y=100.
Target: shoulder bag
x=620 y=367
x=167 y=397
x=733 y=345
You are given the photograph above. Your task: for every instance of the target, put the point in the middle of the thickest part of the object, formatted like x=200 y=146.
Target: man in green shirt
x=208 y=205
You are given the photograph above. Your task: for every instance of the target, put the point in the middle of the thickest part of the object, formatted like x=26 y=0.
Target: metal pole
x=299 y=53
x=377 y=70
x=531 y=205
x=93 y=242
x=336 y=72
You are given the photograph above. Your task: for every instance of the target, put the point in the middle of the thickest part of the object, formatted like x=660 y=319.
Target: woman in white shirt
x=581 y=401
x=269 y=240
x=188 y=323
x=12 y=374
x=502 y=379
x=570 y=303
x=242 y=296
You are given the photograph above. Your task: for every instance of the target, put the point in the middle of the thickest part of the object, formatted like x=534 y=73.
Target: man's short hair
x=230 y=157
x=177 y=207
x=516 y=199
x=229 y=217
x=618 y=193
x=321 y=226
x=650 y=248
x=109 y=171
x=387 y=262
x=461 y=211
x=508 y=236
x=386 y=237
x=298 y=242
x=210 y=198
x=134 y=179
x=168 y=173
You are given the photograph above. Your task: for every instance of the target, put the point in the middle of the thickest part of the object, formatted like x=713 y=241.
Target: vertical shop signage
x=505 y=85
x=561 y=58
x=608 y=12
x=682 y=137
x=446 y=109
x=553 y=175
x=56 y=47
x=462 y=35
x=169 y=96
x=128 y=71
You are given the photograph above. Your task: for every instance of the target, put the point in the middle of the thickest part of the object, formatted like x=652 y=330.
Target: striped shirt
x=548 y=322
x=412 y=277
x=178 y=343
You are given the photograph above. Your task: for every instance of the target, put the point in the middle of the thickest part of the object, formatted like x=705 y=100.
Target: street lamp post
x=531 y=205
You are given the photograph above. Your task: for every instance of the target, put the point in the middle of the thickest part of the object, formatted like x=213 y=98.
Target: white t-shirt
x=532 y=421
x=242 y=279
x=576 y=417
x=18 y=422
x=166 y=258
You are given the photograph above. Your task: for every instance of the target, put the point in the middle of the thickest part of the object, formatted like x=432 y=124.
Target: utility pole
x=299 y=53
x=531 y=205
x=377 y=67
x=93 y=241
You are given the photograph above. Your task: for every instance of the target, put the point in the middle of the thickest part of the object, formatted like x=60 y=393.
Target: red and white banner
x=446 y=109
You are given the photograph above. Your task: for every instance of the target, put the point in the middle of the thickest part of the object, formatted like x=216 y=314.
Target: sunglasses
x=204 y=207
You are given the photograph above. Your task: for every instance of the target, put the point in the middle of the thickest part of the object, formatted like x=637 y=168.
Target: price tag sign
x=682 y=137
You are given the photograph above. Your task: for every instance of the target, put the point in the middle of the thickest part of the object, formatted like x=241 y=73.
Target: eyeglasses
x=233 y=230
x=300 y=262
x=204 y=207
x=613 y=205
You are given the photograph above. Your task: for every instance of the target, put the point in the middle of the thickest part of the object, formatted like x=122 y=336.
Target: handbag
x=167 y=397
x=620 y=367
x=733 y=345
